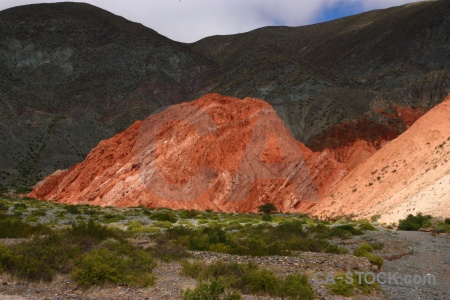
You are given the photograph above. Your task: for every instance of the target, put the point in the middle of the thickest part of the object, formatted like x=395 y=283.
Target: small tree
x=267 y=208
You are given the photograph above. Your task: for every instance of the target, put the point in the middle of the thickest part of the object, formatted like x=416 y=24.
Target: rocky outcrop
x=409 y=174
x=217 y=152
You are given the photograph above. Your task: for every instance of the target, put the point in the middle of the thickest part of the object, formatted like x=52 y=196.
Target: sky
x=191 y=20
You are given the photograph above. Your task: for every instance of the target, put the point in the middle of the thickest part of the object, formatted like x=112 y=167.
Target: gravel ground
x=430 y=255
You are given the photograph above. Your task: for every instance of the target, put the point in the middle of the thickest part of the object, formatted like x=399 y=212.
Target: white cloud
x=190 y=20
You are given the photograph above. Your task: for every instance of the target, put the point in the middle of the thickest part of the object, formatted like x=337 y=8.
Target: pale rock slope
x=408 y=175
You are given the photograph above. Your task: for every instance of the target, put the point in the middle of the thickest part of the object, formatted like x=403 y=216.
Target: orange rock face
x=409 y=174
x=217 y=152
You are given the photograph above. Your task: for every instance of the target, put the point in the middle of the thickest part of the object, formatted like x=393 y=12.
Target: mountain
x=361 y=71
x=408 y=175
x=217 y=152
x=72 y=75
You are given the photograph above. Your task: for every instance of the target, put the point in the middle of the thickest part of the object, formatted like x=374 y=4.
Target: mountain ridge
x=66 y=84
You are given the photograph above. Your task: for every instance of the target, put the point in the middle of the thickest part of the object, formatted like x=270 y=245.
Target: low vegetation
x=414 y=223
x=95 y=246
x=365 y=250
x=249 y=279
x=349 y=286
x=425 y=223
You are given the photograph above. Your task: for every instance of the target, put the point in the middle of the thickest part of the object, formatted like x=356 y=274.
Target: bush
x=296 y=287
x=374 y=259
x=72 y=209
x=447 y=221
x=267 y=208
x=214 y=290
x=344 y=287
x=168 y=251
x=3 y=207
x=20 y=206
x=439 y=230
x=414 y=223
x=188 y=214
x=262 y=282
x=168 y=216
x=350 y=228
x=362 y=249
x=366 y=226
x=365 y=250
x=249 y=278
x=14 y=227
x=104 y=266
x=92 y=229
x=38 y=259
x=267 y=218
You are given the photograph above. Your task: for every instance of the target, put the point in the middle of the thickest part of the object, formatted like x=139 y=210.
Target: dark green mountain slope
x=72 y=74
x=344 y=70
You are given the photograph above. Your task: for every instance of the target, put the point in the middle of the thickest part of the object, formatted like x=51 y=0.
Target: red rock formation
x=354 y=154
x=217 y=153
x=353 y=142
x=409 y=174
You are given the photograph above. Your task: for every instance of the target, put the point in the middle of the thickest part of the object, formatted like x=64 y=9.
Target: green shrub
x=345 y=287
x=188 y=214
x=262 y=282
x=39 y=212
x=414 y=223
x=365 y=250
x=375 y=218
x=92 y=229
x=40 y=258
x=249 y=278
x=447 y=221
x=296 y=287
x=350 y=228
x=267 y=218
x=14 y=227
x=439 y=230
x=214 y=290
x=72 y=209
x=104 y=266
x=168 y=251
x=110 y=218
x=267 y=208
x=20 y=206
x=167 y=216
x=365 y=225
x=374 y=259
x=3 y=207
x=362 y=249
